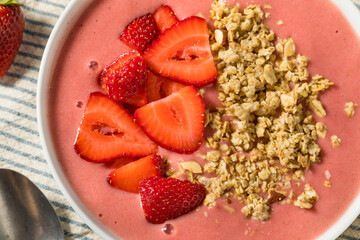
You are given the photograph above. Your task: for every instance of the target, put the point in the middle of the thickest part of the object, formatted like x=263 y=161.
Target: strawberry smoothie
x=322 y=34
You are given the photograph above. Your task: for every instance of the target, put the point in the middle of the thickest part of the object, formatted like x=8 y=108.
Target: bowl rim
x=52 y=50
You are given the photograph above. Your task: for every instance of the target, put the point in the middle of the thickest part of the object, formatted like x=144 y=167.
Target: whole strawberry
x=168 y=198
x=12 y=25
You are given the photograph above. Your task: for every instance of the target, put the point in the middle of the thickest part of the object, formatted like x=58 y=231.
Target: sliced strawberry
x=182 y=53
x=130 y=108
x=168 y=198
x=153 y=87
x=119 y=162
x=159 y=87
x=107 y=132
x=128 y=177
x=165 y=17
x=175 y=122
x=140 y=33
x=139 y=99
x=169 y=87
x=124 y=79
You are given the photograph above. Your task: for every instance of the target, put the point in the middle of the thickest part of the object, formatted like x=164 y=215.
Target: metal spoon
x=25 y=213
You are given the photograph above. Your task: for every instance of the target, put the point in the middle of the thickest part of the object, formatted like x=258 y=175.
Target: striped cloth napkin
x=20 y=147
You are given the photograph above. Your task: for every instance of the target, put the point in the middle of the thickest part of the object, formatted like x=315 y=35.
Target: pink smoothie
x=322 y=34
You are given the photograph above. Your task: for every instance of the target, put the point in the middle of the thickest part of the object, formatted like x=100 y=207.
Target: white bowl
x=51 y=53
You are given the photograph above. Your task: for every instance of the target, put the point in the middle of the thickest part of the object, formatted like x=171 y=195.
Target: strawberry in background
x=12 y=25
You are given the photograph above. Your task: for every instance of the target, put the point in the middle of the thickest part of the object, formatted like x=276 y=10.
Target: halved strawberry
x=124 y=79
x=175 y=122
x=165 y=17
x=168 y=198
x=128 y=177
x=107 y=132
x=182 y=53
x=140 y=33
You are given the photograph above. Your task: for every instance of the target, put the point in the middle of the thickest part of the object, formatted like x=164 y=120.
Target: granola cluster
x=350 y=109
x=266 y=94
x=335 y=140
x=307 y=198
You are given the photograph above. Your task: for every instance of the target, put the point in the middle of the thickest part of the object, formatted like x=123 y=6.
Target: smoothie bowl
x=298 y=129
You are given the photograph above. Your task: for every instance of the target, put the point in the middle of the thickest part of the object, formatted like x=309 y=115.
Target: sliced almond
x=191 y=166
x=317 y=107
x=220 y=36
x=289 y=48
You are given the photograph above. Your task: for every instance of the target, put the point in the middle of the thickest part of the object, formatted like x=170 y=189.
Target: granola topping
x=350 y=109
x=335 y=140
x=307 y=198
x=264 y=134
x=327 y=183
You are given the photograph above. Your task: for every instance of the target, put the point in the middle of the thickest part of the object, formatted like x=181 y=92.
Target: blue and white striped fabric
x=20 y=147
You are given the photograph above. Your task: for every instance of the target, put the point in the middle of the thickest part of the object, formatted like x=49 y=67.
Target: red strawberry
x=170 y=87
x=165 y=17
x=168 y=198
x=123 y=78
x=130 y=108
x=140 y=33
x=159 y=87
x=139 y=99
x=12 y=25
x=107 y=132
x=175 y=122
x=153 y=87
x=119 y=162
x=182 y=53
x=128 y=177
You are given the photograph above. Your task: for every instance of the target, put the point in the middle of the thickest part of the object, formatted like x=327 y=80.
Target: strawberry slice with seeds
x=140 y=33
x=175 y=122
x=128 y=177
x=124 y=79
x=107 y=132
x=182 y=53
x=165 y=17
x=168 y=198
